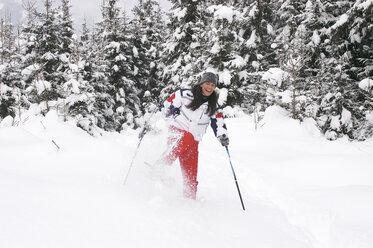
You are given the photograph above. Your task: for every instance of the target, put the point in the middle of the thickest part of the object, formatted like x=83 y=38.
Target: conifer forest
x=313 y=58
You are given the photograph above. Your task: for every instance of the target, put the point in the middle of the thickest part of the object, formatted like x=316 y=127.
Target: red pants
x=186 y=149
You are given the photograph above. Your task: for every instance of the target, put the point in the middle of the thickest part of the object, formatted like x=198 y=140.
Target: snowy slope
x=299 y=189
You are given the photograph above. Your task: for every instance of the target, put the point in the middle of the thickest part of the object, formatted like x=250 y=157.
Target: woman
x=192 y=111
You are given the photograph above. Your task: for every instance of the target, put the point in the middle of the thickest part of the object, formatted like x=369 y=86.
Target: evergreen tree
x=68 y=55
x=148 y=30
x=257 y=33
x=322 y=49
x=184 y=45
x=119 y=96
x=290 y=54
x=222 y=45
x=11 y=87
x=6 y=39
x=47 y=49
x=31 y=67
x=90 y=110
x=345 y=106
x=66 y=30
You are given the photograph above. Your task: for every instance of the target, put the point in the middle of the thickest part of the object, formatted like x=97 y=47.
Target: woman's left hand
x=224 y=140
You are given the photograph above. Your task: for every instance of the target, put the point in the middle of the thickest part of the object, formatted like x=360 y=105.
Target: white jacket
x=193 y=121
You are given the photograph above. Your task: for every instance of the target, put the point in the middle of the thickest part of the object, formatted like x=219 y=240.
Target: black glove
x=144 y=131
x=224 y=140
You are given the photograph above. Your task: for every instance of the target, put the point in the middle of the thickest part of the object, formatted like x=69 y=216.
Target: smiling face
x=207 y=88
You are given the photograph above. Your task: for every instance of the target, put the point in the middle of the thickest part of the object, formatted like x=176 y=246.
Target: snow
x=7 y=122
x=42 y=85
x=49 y=56
x=335 y=122
x=238 y=62
x=251 y=42
x=309 y=5
x=114 y=45
x=275 y=76
x=147 y=94
x=178 y=35
x=316 y=38
x=225 y=77
x=255 y=64
x=253 y=11
x=345 y=116
x=286 y=96
x=369 y=116
x=223 y=12
x=180 y=13
x=215 y=49
x=342 y=20
x=354 y=36
x=72 y=84
x=135 y=52
x=299 y=189
x=270 y=29
x=29 y=70
x=194 y=45
x=120 y=110
x=366 y=84
x=364 y=4
x=74 y=68
x=120 y=57
x=223 y=95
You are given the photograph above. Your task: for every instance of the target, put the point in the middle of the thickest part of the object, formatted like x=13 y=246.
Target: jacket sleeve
x=171 y=107
x=218 y=124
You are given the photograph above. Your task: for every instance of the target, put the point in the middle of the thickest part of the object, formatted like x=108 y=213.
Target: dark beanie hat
x=209 y=77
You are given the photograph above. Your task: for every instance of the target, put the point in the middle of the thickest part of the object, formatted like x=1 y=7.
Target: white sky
x=80 y=10
x=90 y=9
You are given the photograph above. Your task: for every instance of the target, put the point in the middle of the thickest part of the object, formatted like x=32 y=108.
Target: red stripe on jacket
x=171 y=98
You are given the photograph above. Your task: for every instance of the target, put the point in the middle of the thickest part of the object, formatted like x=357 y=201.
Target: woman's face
x=207 y=88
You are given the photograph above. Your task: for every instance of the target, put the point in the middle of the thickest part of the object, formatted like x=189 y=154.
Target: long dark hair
x=198 y=100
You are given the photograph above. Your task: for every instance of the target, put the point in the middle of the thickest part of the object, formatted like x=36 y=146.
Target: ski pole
x=137 y=148
x=133 y=159
x=138 y=145
x=235 y=178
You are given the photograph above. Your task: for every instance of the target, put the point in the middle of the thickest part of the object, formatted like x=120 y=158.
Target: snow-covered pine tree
x=314 y=19
x=7 y=39
x=257 y=33
x=47 y=49
x=119 y=97
x=93 y=72
x=31 y=68
x=183 y=47
x=66 y=30
x=104 y=106
x=148 y=32
x=88 y=71
x=258 y=30
x=11 y=87
x=86 y=48
x=91 y=54
x=222 y=52
x=345 y=107
x=290 y=55
x=80 y=101
x=69 y=59
x=363 y=65
x=66 y=47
